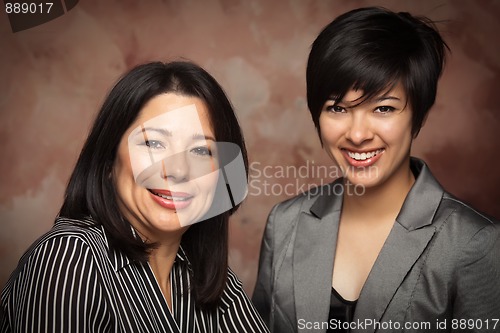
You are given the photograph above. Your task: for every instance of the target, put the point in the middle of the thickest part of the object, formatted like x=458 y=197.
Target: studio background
x=54 y=78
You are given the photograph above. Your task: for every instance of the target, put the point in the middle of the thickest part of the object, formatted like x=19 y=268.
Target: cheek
x=139 y=162
x=208 y=183
x=330 y=131
x=201 y=167
x=122 y=171
x=397 y=131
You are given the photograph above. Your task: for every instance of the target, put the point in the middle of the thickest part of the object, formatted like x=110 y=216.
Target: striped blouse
x=70 y=280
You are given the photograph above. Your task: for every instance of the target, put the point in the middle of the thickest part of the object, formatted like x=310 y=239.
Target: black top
x=341 y=311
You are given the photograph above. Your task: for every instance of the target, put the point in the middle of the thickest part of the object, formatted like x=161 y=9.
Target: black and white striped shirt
x=70 y=280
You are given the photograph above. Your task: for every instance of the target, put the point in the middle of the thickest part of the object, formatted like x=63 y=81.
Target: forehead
x=180 y=115
x=164 y=103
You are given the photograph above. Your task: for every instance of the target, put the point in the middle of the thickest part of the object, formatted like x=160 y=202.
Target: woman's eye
x=202 y=151
x=154 y=144
x=384 y=109
x=335 y=109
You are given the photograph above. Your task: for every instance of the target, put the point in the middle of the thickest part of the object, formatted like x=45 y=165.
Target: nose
x=175 y=167
x=360 y=129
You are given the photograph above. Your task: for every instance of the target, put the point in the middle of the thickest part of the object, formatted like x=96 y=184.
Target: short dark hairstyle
x=91 y=190
x=372 y=49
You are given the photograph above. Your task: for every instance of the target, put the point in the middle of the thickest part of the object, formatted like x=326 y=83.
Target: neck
x=380 y=203
x=162 y=259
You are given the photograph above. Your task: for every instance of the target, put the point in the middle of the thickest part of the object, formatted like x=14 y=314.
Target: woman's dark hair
x=91 y=191
x=372 y=49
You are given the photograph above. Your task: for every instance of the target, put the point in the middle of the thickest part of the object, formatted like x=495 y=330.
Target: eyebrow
x=166 y=132
x=378 y=99
x=203 y=136
x=384 y=98
x=162 y=131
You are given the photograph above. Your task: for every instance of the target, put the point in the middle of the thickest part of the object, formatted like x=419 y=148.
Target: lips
x=363 y=158
x=171 y=200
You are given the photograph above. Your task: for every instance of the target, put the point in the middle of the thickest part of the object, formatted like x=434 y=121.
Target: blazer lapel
x=314 y=250
x=408 y=238
x=399 y=253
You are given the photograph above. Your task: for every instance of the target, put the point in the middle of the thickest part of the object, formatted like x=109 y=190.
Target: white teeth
x=169 y=197
x=363 y=156
x=179 y=198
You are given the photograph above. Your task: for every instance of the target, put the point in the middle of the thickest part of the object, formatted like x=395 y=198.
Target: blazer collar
x=328 y=200
x=426 y=191
x=423 y=200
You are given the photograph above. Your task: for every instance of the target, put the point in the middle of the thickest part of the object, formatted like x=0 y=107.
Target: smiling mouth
x=363 y=156
x=176 y=196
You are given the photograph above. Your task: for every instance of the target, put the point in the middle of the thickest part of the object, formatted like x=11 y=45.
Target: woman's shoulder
x=83 y=230
x=233 y=280
x=472 y=230
x=234 y=291
x=468 y=216
x=64 y=237
x=62 y=267
x=238 y=314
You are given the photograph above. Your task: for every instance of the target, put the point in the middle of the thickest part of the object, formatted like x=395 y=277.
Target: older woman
x=141 y=240
x=392 y=251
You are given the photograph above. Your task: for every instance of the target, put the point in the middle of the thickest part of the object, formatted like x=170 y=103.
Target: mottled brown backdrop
x=55 y=76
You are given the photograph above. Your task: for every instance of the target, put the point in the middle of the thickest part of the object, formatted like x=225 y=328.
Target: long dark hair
x=91 y=191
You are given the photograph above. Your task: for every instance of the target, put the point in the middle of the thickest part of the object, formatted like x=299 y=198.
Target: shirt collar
x=119 y=260
x=181 y=255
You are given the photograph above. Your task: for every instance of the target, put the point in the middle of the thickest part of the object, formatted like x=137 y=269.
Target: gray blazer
x=440 y=263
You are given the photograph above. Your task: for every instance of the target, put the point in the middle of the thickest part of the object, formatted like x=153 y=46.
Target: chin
x=167 y=223
x=171 y=229
x=364 y=183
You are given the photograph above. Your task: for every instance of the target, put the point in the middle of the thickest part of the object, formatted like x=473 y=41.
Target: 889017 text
x=475 y=324
x=28 y=7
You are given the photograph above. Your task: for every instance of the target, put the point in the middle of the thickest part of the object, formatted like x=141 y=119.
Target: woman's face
x=371 y=141
x=165 y=170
